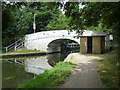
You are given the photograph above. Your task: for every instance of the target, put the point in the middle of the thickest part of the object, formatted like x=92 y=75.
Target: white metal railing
x=15 y=46
x=16 y=61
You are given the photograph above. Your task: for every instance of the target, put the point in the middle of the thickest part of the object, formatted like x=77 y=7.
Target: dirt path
x=84 y=75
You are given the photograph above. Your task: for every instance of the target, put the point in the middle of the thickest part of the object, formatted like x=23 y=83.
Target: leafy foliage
x=72 y=12
x=99 y=28
x=18 y=19
x=60 y=22
x=95 y=13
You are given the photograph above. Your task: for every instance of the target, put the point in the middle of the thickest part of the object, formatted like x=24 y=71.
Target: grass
x=22 y=51
x=72 y=59
x=108 y=70
x=51 y=78
x=80 y=53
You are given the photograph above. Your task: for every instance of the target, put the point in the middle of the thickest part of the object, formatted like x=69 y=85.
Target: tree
x=72 y=12
x=107 y=13
x=8 y=19
x=18 y=19
x=99 y=28
x=59 y=22
x=8 y=10
x=95 y=13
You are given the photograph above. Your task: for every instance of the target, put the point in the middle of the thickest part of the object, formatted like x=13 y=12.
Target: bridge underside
x=58 y=45
x=48 y=45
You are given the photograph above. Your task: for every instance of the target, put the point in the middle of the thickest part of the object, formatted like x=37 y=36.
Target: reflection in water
x=16 y=71
x=13 y=75
x=36 y=65
x=55 y=58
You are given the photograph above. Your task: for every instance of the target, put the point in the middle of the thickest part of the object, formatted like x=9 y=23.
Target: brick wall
x=83 y=44
x=98 y=44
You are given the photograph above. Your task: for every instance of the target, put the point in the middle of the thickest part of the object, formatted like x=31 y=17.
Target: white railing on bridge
x=15 y=46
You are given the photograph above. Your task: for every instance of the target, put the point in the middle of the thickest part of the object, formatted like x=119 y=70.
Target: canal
x=16 y=71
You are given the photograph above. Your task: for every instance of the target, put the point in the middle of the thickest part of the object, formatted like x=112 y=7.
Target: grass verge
x=51 y=78
x=23 y=51
x=108 y=70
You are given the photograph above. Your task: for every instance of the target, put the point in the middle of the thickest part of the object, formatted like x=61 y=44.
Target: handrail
x=19 y=43
x=15 y=42
x=14 y=45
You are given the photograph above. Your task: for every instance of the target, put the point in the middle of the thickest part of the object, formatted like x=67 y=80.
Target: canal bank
x=51 y=78
x=22 y=68
x=22 y=54
x=84 y=75
x=25 y=54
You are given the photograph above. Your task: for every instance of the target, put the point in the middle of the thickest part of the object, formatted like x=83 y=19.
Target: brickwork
x=96 y=45
x=83 y=44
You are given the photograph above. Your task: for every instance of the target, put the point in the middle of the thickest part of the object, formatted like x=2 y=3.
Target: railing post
x=15 y=60
x=22 y=44
x=15 y=46
x=6 y=49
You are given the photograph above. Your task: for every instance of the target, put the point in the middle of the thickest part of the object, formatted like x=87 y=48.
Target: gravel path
x=84 y=75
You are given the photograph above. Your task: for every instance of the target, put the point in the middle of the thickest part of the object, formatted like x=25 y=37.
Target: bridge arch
x=41 y=40
x=55 y=45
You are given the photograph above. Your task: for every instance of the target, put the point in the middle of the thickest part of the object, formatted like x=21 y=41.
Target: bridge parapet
x=48 y=34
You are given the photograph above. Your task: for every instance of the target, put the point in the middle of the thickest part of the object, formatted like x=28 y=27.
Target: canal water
x=16 y=71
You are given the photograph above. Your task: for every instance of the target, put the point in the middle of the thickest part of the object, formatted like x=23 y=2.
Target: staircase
x=15 y=46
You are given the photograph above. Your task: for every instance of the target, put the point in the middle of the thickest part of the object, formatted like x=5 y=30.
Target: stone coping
x=25 y=54
x=22 y=54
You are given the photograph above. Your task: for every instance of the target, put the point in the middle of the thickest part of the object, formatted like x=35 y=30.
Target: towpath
x=85 y=74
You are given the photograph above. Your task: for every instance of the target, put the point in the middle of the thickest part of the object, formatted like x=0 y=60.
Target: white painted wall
x=107 y=42
x=41 y=40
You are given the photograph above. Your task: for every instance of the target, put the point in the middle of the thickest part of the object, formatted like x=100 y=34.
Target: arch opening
x=63 y=45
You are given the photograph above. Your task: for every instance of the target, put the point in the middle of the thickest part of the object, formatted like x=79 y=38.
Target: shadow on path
x=84 y=75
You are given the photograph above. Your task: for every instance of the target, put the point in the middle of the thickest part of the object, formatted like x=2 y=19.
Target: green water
x=16 y=71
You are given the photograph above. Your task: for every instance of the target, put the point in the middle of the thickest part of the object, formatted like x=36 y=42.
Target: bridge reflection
x=35 y=65
x=20 y=69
